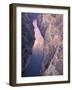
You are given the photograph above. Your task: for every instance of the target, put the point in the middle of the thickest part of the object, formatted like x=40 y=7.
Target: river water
x=34 y=67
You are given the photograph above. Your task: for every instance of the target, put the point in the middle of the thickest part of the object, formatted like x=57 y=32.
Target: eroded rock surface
x=53 y=45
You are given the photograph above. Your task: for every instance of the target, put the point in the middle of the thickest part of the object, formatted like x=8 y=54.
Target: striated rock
x=53 y=45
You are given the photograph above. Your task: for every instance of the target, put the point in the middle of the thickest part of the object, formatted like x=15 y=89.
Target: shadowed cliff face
x=32 y=45
x=28 y=38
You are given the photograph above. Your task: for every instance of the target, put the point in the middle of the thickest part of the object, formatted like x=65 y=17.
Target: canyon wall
x=27 y=38
x=53 y=45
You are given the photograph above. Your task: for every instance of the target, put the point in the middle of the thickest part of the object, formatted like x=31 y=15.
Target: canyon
x=42 y=50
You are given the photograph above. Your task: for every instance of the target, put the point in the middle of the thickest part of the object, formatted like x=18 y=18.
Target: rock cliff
x=27 y=38
x=53 y=45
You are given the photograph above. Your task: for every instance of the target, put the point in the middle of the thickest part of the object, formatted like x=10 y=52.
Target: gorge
x=42 y=44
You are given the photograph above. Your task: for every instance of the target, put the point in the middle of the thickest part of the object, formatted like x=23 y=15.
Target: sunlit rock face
x=39 y=40
x=53 y=45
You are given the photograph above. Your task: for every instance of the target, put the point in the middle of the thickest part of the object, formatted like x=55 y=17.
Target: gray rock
x=59 y=67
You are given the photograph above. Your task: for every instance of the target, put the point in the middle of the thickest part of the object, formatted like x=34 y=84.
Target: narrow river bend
x=34 y=67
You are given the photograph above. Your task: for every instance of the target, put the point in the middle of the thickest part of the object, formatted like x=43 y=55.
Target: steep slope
x=53 y=45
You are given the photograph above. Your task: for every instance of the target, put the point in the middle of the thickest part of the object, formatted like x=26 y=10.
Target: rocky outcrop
x=42 y=24
x=53 y=45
